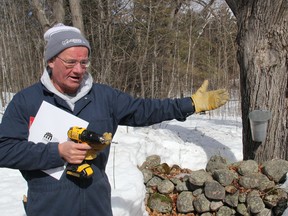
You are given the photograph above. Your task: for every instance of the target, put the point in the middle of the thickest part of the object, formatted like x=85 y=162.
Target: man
x=65 y=83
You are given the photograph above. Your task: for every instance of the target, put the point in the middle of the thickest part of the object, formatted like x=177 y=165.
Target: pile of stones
x=222 y=189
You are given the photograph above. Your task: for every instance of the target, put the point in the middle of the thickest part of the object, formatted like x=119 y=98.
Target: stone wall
x=242 y=188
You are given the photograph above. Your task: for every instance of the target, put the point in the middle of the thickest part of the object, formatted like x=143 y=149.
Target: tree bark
x=76 y=12
x=58 y=11
x=262 y=56
x=40 y=13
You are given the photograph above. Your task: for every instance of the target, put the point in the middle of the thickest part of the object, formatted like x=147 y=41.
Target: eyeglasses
x=73 y=63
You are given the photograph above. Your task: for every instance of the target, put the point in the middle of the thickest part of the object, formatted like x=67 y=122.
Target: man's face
x=65 y=78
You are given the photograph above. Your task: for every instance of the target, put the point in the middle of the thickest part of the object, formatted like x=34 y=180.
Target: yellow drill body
x=96 y=141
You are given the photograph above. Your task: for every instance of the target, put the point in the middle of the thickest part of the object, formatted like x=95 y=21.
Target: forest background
x=152 y=49
x=158 y=49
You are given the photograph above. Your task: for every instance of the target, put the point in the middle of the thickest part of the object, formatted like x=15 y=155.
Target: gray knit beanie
x=61 y=37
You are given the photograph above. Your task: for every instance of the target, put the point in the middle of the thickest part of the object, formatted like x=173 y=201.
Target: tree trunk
x=59 y=11
x=40 y=13
x=262 y=57
x=76 y=12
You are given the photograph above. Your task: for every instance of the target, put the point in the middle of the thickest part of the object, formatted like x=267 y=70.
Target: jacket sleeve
x=16 y=151
x=143 y=112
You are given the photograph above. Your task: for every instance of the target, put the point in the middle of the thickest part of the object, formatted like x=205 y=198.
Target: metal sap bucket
x=258 y=122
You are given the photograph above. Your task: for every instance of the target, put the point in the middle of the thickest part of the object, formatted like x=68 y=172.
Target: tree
x=56 y=8
x=262 y=56
x=146 y=48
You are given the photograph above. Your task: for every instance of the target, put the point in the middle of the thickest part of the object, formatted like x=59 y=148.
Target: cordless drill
x=96 y=141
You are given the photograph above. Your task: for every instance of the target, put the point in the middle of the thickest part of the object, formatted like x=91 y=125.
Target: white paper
x=51 y=125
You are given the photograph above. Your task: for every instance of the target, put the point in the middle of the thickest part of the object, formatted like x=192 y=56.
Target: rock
x=252 y=180
x=254 y=203
x=151 y=162
x=242 y=197
x=215 y=205
x=265 y=184
x=162 y=168
x=197 y=192
x=185 y=202
x=165 y=187
x=147 y=175
x=224 y=176
x=214 y=190
x=153 y=182
x=248 y=167
x=216 y=162
x=242 y=188
x=231 y=189
x=160 y=203
x=201 y=204
x=181 y=186
x=272 y=198
x=276 y=169
x=198 y=178
x=265 y=212
x=242 y=209
x=224 y=211
x=206 y=214
x=232 y=199
x=281 y=207
x=175 y=180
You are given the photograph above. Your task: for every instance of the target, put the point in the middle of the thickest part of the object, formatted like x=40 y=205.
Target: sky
x=188 y=144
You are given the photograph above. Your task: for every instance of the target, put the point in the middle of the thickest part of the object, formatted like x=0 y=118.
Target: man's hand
x=208 y=100
x=72 y=152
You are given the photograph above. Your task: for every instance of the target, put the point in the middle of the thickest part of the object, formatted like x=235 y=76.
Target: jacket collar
x=84 y=88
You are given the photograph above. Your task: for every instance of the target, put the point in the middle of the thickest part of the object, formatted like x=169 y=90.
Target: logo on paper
x=47 y=137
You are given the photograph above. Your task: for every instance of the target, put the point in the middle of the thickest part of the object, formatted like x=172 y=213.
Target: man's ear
x=51 y=62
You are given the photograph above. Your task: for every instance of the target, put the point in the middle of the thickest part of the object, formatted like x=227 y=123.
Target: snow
x=188 y=144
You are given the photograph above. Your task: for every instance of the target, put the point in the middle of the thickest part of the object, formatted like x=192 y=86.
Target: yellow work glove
x=208 y=100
